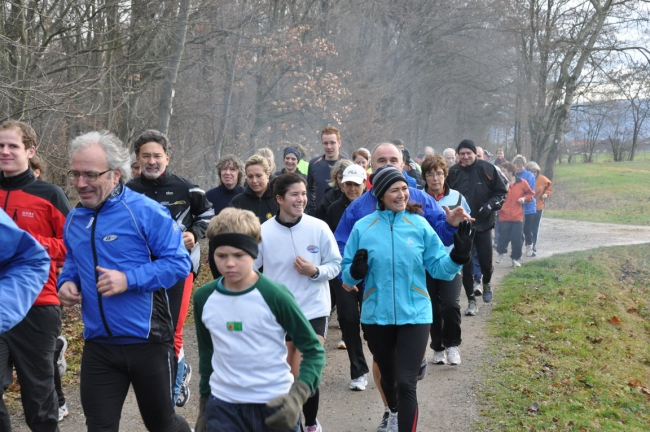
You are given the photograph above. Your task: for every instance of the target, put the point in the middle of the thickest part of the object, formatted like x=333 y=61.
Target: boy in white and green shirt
x=241 y=321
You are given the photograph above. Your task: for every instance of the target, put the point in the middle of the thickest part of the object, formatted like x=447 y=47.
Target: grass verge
x=602 y=192
x=572 y=344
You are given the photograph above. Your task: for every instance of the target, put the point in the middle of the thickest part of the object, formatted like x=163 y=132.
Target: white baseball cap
x=354 y=173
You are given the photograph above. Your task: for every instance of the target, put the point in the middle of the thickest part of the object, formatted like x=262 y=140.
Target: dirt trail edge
x=448 y=396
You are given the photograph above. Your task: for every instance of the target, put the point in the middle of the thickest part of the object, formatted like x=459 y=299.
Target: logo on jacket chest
x=313 y=249
x=109 y=238
x=27 y=214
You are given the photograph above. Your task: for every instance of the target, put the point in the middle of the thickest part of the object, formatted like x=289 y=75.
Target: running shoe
x=315 y=428
x=383 y=426
x=477 y=288
x=423 y=369
x=516 y=263
x=184 y=392
x=63 y=412
x=392 y=423
x=439 y=357
x=342 y=345
x=453 y=356
x=61 y=347
x=529 y=250
x=487 y=292
x=359 y=384
x=471 y=308
x=499 y=258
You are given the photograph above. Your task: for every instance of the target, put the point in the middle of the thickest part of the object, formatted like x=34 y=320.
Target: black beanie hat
x=468 y=144
x=383 y=178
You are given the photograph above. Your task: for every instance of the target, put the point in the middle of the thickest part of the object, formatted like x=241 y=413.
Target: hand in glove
x=463 y=238
x=359 y=267
x=484 y=211
x=290 y=407
x=201 y=422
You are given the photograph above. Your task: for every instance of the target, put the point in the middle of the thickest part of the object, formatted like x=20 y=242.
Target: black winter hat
x=383 y=178
x=468 y=144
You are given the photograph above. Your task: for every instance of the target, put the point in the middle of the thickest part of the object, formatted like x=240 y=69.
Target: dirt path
x=448 y=396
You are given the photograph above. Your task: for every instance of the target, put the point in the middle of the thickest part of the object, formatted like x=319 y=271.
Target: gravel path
x=448 y=396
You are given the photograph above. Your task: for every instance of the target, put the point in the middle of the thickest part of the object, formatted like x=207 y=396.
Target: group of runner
x=292 y=246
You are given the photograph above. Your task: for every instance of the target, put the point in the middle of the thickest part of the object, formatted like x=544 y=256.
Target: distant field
x=602 y=192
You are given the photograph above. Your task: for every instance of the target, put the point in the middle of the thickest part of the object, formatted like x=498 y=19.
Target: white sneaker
x=359 y=384
x=516 y=263
x=499 y=258
x=392 y=423
x=453 y=356
x=439 y=357
x=316 y=428
x=61 y=362
x=342 y=345
x=63 y=412
x=529 y=250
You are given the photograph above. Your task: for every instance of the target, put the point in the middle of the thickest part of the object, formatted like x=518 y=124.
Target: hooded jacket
x=401 y=248
x=481 y=185
x=264 y=207
x=135 y=235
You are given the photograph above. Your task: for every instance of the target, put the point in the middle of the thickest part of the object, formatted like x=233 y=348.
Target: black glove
x=484 y=211
x=463 y=238
x=290 y=407
x=201 y=422
x=359 y=267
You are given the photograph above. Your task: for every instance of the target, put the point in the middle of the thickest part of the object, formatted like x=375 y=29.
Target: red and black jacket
x=40 y=208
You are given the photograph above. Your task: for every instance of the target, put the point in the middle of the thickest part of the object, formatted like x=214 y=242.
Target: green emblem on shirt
x=234 y=326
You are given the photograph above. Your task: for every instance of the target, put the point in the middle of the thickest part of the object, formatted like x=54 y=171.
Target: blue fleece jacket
x=24 y=269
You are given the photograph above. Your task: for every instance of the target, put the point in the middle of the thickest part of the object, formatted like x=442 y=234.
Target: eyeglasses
x=87 y=176
x=437 y=174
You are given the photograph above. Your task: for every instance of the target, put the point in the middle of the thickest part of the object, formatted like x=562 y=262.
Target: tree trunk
x=227 y=98
x=171 y=73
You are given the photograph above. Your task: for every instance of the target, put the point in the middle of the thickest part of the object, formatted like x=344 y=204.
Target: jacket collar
x=18 y=181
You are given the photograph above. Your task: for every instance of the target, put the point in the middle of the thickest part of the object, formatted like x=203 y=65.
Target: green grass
x=602 y=192
x=571 y=343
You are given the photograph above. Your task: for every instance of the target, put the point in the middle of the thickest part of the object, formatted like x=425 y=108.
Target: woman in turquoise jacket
x=390 y=250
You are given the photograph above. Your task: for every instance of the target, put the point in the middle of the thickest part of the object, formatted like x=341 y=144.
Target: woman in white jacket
x=300 y=251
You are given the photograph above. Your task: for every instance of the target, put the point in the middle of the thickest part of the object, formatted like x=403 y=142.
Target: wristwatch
x=315 y=276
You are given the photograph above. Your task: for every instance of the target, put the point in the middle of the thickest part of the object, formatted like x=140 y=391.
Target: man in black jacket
x=190 y=208
x=485 y=192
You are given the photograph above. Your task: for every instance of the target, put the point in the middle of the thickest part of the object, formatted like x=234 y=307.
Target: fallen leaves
x=614 y=320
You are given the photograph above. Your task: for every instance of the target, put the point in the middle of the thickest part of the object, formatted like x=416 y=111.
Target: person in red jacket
x=40 y=209
x=511 y=215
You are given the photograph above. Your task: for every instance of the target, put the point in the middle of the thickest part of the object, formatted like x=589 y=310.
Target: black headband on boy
x=240 y=241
